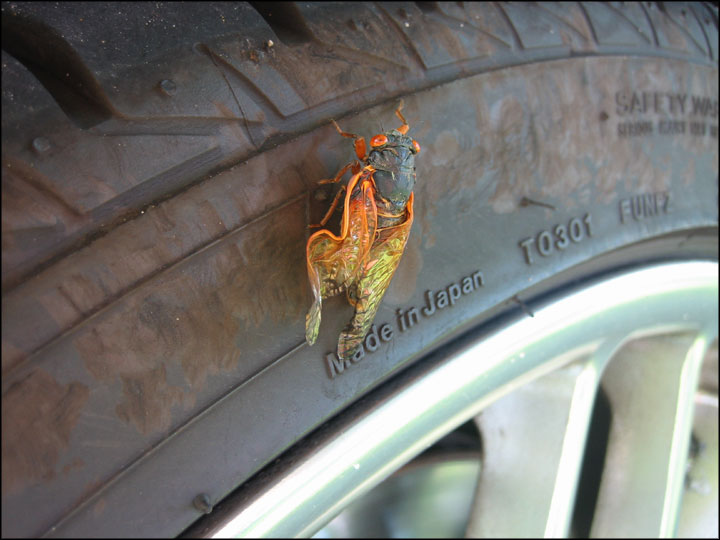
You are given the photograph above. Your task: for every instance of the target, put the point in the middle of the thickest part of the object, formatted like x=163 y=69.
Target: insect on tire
x=160 y=180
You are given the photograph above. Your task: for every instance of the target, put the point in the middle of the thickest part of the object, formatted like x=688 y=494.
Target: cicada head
x=393 y=158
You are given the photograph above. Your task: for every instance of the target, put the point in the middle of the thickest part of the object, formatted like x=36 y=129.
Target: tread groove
x=656 y=41
x=34 y=178
x=255 y=93
x=708 y=45
x=246 y=124
x=286 y=21
x=685 y=32
x=616 y=12
x=516 y=36
x=588 y=21
x=405 y=40
x=76 y=91
x=439 y=15
x=174 y=126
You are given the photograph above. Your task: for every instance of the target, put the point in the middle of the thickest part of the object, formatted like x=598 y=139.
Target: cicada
x=376 y=221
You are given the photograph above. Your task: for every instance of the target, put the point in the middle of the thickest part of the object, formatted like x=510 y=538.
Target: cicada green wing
x=334 y=262
x=369 y=288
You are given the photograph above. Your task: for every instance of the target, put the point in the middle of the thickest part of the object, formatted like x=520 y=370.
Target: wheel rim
x=558 y=356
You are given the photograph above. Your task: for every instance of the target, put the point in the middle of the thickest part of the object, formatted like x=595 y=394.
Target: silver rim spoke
x=548 y=416
x=646 y=459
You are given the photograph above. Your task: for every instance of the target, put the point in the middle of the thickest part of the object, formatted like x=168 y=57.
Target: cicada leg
x=354 y=166
x=360 y=146
x=345 y=133
x=330 y=211
x=339 y=175
x=405 y=126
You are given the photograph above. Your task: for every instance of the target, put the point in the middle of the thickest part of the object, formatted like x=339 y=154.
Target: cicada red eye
x=378 y=140
x=416 y=146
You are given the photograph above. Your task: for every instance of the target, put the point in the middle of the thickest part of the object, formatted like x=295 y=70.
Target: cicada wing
x=333 y=262
x=312 y=321
x=373 y=281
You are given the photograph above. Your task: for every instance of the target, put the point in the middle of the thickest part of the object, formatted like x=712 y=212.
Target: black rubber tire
x=160 y=168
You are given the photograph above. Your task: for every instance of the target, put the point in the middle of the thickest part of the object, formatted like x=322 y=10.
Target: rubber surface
x=159 y=172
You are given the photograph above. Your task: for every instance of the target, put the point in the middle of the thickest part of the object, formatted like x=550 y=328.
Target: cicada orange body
x=377 y=216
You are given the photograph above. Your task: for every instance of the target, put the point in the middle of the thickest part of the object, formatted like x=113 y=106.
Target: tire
x=160 y=168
